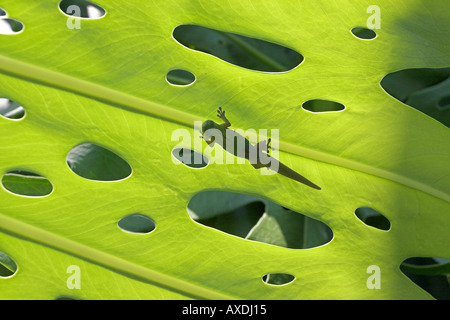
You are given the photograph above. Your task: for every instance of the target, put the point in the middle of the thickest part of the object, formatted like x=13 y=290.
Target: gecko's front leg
x=264 y=146
x=221 y=115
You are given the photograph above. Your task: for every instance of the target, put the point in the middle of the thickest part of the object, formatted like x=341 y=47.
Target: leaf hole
x=278 y=279
x=93 y=162
x=238 y=222
x=137 y=223
x=424 y=89
x=364 y=33
x=190 y=158
x=254 y=218
x=11 y=110
x=10 y=26
x=319 y=106
x=246 y=52
x=180 y=77
x=26 y=183
x=373 y=218
x=8 y=266
x=81 y=9
x=67 y=297
x=430 y=274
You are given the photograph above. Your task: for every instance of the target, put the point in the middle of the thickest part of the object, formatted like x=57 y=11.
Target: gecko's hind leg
x=264 y=145
x=260 y=165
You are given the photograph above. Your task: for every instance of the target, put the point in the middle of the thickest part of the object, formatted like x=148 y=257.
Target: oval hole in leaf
x=431 y=274
x=93 y=162
x=318 y=106
x=373 y=218
x=424 y=89
x=81 y=9
x=278 y=279
x=67 y=297
x=180 y=77
x=26 y=183
x=10 y=26
x=364 y=33
x=257 y=219
x=250 y=53
x=190 y=158
x=11 y=110
x=8 y=266
x=137 y=223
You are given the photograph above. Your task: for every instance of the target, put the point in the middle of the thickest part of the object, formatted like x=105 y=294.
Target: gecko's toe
x=220 y=113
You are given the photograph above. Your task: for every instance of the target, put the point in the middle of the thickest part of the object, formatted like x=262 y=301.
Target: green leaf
x=289 y=229
x=105 y=83
x=431 y=101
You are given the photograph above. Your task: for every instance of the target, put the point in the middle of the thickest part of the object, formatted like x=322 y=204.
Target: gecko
x=261 y=149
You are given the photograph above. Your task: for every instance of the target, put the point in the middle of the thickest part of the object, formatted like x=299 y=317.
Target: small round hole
x=278 y=279
x=179 y=77
x=364 y=33
x=137 y=223
x=11 y=110
x=8 y=266
x=25 y=183
x=190 y=158
x=10 y=26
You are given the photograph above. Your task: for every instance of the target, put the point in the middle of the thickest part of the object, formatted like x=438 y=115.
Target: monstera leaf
x=99 y=83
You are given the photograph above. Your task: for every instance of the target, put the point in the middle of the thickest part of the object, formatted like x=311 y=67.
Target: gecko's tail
x=291 y=174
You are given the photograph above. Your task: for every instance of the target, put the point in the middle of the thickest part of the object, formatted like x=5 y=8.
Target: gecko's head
x=208 y=124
